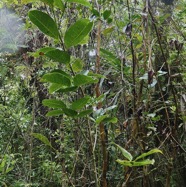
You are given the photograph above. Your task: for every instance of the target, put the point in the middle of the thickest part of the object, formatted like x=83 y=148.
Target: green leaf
x=42 y=138
x=112 y=59
x=56 y=78
x=69 y=89
x=70 y=112
x=80 y=103
x=135 y=164
x=82 y=2
x=77 y=65
x=54 y=87
x=83 y=79
x=106 y=14
x=44 y=22
x=143 y=162
x=42 y=51
x=124 y=152
x=59 y=4
x=48 y=2
x=61 y=72
x=108 y=30
x=53 y=103
x=54 y=113
x=148 y=153
x=77 y=32
x=124 y=162
x=101 y=118
x=84 y=113
x=110 y=120
x=59 y=56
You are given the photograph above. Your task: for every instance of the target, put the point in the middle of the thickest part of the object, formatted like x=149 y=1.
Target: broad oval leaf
x=44 y=22
x=53 y=103
x=59 y=56
x=80 y=79
x=77 y=32
x=56 y=78
x=125 y=153
x=42 y=138
x=80 y=103
x=82 y=2
x=148 y=153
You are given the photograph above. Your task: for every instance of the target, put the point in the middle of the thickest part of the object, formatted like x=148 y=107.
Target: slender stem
x=101 y=125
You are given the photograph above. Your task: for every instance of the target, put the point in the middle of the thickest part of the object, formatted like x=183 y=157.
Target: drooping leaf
x=80 y=103
x=54 y=113
x=77 y=32
x=56 y=78
x=44 y=22
x=143 y=155
x=53 y=103
x=82 y=2
x=83 y=79
x=42 y=138
x=59 y=56
x=125 y=153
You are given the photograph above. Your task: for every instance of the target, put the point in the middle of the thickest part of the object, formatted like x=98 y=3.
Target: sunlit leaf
x=125 y=153
x=148 y=153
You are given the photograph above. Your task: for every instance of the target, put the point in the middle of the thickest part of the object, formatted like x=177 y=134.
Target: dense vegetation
x=92 y=93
